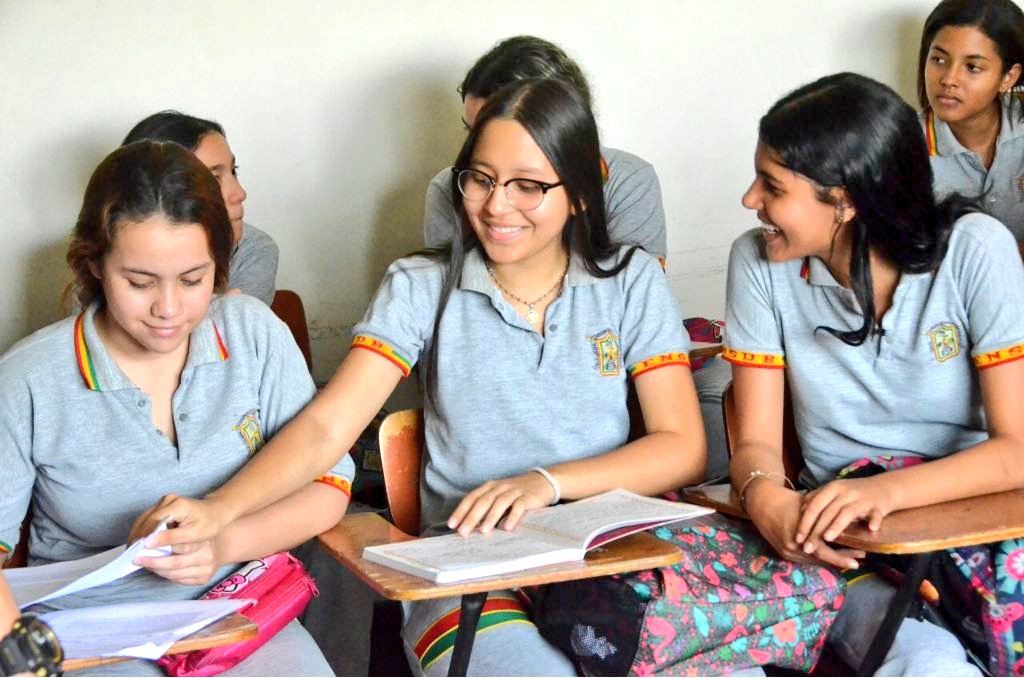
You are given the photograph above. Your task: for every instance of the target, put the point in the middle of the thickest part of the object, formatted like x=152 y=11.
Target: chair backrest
x=792 y=458
x=288 y=307
x=401 y=446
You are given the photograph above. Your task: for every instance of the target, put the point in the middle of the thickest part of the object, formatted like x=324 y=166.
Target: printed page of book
x=580 y=522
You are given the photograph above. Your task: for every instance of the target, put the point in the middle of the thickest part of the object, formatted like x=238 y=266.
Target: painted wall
x=340 y=112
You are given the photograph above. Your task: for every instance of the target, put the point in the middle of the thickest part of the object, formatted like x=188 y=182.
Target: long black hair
x=850 y=132
x=1002 y=21
x=561 y=123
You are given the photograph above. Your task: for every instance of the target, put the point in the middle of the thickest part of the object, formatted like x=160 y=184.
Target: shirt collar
x=942 y=141
x=476 y=278
x=101 y=373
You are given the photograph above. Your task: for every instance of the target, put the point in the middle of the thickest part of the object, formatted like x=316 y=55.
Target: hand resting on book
x=484 y=507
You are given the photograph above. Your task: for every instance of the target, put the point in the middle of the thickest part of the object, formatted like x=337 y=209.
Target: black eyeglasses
x=523 y=194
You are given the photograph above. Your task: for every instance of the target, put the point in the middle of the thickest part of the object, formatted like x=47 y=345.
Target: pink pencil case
x=281 y=590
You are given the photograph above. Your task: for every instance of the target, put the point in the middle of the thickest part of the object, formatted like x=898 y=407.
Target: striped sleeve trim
x=5 y=549
x=384 y=350
x=1004 y=355
x=337 y=482
x=749 y=359
x=663 y=360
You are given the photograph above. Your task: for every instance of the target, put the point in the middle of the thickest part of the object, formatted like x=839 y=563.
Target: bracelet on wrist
x=754 y=475
x=551 y=480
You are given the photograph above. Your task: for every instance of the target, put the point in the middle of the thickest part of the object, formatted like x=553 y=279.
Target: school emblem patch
x=606 y=353
x=249 y=428
x=945 y=341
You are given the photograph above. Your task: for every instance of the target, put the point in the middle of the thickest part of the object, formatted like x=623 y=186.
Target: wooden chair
x=288 y=307
x=401 y=443
x=920 y=534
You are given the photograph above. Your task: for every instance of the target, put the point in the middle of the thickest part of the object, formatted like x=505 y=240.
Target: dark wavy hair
x=559 y=120
x=1002 y=21
x=519 y=58
x=850 y=132
x=182 y=129
x=134 y=183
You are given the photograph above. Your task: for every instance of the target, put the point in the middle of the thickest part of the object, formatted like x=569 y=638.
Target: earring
x=840 y=214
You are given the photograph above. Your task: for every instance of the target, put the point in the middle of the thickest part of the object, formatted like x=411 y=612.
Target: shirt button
x=183 y=417
x=553 y=327
x=141 y=403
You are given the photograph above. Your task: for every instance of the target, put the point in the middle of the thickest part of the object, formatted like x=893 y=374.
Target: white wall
x=340 y=112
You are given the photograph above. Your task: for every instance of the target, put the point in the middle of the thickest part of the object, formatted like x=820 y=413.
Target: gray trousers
x=919 y=649
x=513 y=648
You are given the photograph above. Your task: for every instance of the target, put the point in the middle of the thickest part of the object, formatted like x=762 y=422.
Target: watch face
x=31 y=647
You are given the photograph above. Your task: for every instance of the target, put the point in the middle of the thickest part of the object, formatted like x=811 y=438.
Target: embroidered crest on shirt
x=945 y=341
x=249 y=428
x=606 y=351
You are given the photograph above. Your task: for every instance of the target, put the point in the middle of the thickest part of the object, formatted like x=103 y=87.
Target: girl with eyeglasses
x=970 y=61
x=894 y=320
x=633 y=206
x=528 y=332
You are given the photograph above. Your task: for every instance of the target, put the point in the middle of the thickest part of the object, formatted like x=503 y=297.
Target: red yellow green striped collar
x=929 y=133
x=87 y=362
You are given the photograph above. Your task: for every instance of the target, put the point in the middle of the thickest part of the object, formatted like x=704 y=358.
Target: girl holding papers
x=156 y=388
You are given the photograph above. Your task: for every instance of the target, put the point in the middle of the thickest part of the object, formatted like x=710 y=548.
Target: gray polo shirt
x=999 y=189
x=913 y=391
x=253 y=266
x=632 y=198
x=77 y=438
x=511 y=398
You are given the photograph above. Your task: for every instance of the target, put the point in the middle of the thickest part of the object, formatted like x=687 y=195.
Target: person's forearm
x=749 y=458
x=995 y=465
x=314 y=440
x=8 y=610
x=655 y=463
x=282 y=525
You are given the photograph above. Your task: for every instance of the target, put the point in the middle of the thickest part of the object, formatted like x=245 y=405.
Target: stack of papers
x=143 y=630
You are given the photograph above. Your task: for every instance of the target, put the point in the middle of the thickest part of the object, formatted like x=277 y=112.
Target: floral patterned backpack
x=729 y=604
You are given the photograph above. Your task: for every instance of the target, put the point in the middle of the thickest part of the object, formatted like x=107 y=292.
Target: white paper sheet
x=144 y=630
x=31 y=585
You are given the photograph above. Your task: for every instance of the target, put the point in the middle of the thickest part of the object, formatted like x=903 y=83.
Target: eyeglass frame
x=544 y=187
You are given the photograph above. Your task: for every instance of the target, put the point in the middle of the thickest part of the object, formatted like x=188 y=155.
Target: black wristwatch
x=31 y=647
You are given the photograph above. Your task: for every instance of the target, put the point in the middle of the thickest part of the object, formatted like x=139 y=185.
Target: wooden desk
x=964 y=522
x=231 y=629
x=346 y=541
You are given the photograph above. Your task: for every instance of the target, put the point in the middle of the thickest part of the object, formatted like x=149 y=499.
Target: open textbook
x=143 y=629
x=557 y=534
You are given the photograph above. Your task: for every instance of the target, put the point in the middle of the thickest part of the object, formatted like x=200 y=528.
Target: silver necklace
x=531 y=313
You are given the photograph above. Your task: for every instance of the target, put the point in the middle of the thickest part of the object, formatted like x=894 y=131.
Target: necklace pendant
x=532 y=316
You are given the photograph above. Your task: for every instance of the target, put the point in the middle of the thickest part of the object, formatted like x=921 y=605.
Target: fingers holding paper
x=485 y=506
x=191 y=564
x=193 y=521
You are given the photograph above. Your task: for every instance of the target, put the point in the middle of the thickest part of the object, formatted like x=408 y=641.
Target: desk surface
x=965 y=522
x=231 y=629
x=346 y=541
